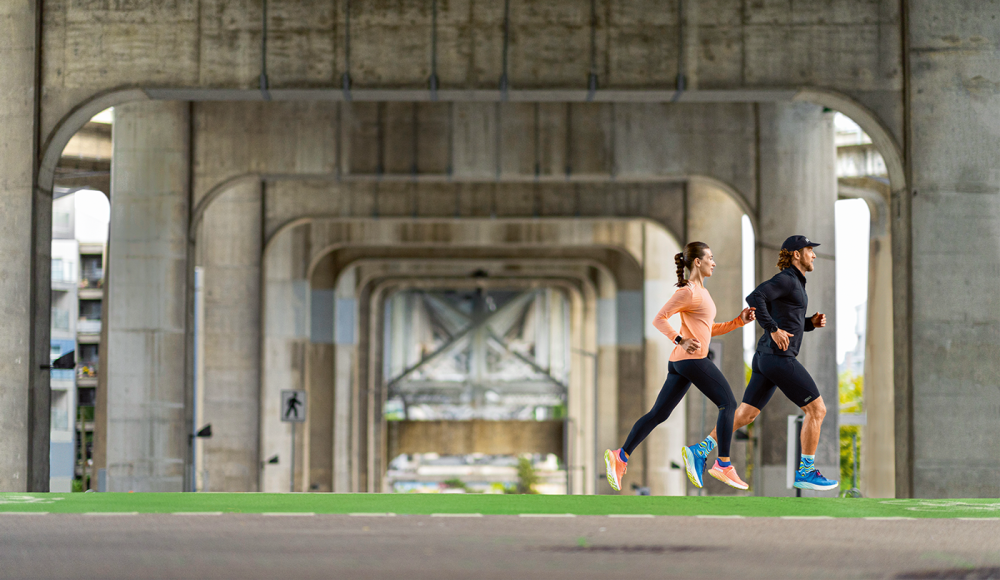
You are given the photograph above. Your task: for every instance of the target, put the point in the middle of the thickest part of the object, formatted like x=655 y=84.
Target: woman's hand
x=690 y=345
x=748 y=315
x=781 y=338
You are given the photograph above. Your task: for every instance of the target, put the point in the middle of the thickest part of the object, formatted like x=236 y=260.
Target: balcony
x=88 y=326
x=86 y=374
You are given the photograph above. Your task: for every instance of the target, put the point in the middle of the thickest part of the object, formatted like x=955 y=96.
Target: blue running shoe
x=813 y=479
x=694 y=464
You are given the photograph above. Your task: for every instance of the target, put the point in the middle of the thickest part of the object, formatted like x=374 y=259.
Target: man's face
x=806 y=257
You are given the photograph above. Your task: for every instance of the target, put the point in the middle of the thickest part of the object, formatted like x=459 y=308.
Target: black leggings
x=709 y=380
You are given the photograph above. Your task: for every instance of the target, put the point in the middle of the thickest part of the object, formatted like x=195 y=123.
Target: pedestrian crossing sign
x=293 y=406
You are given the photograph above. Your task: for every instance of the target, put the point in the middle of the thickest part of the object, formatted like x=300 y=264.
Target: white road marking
x=630 y=515
x=456 y=515
x=373 y=515
x=197 y=513
x=288 y=514
x=546 y=515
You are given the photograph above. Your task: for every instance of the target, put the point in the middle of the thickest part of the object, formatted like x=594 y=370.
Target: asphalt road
x=250 y=547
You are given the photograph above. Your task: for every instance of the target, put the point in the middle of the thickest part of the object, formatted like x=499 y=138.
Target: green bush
x=526 y=476
x=851 y=390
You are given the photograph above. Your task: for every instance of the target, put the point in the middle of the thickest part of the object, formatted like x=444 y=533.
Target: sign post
x=293 y=410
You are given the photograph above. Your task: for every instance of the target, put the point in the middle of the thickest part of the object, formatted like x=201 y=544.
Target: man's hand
x=748 y=315
x=781 y=338
x=690 y=345
x=819 y=320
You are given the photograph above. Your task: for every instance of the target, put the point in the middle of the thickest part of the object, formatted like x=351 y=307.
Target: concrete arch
x=868 y=120
x=72 y=122
x=228 y=183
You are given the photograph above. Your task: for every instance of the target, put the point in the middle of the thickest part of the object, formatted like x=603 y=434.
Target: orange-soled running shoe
x=727 y=475
x=616 y=468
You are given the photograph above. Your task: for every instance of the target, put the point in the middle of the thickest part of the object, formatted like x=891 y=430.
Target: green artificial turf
x=402 y=504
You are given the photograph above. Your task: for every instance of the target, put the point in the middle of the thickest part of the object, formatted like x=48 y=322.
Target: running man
x=781 y=304
x=688 y=364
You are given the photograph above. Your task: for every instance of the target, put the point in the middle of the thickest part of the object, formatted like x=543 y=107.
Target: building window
x=60 y=319
x=92 y=270
x=90 y=309
x=87 y=396
x=57 y=270
x=61 y=219
x=60 y=411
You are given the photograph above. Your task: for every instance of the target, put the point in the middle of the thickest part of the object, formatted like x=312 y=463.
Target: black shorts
x=786 y=373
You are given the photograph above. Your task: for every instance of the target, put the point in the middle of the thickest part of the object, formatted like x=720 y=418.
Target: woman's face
x=705 y=264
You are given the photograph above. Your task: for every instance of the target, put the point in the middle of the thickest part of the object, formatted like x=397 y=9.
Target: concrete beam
x=465 y=437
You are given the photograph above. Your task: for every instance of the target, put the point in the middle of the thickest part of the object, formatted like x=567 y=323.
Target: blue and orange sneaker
x=616 y=468
x=813 y=479
x=695 y=458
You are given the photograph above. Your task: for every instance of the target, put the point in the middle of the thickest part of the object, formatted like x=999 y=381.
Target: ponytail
x=679 y=260
x=686 y=258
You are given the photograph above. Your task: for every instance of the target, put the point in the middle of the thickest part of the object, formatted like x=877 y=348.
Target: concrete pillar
x=716 y=219
x=25 y=246
x=345 y=397
x=229 y=251
x=663 y=445
x=607 y=374
x=286 y=333
x=798 y=185
x=878 y=449
x=954 y=311
x=147 y=415
x=319 y=383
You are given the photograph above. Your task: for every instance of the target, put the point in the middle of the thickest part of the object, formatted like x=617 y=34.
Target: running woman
x=781 y=304
x=688 y=364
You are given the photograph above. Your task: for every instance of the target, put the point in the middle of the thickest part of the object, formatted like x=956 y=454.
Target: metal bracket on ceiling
x=264 y=92
x=346 y=77
x=433 y=80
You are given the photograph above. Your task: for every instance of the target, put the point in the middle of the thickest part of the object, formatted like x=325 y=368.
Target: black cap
x=797 y=243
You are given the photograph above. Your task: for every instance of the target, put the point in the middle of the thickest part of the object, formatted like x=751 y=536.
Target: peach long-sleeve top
x=697 y=311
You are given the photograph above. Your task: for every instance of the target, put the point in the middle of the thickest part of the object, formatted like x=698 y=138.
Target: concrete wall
x=798 y=172
x=147 y=423
x=955 y=202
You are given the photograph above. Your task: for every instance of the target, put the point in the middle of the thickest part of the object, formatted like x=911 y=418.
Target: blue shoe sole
x=815 y=487
x=689 y=467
